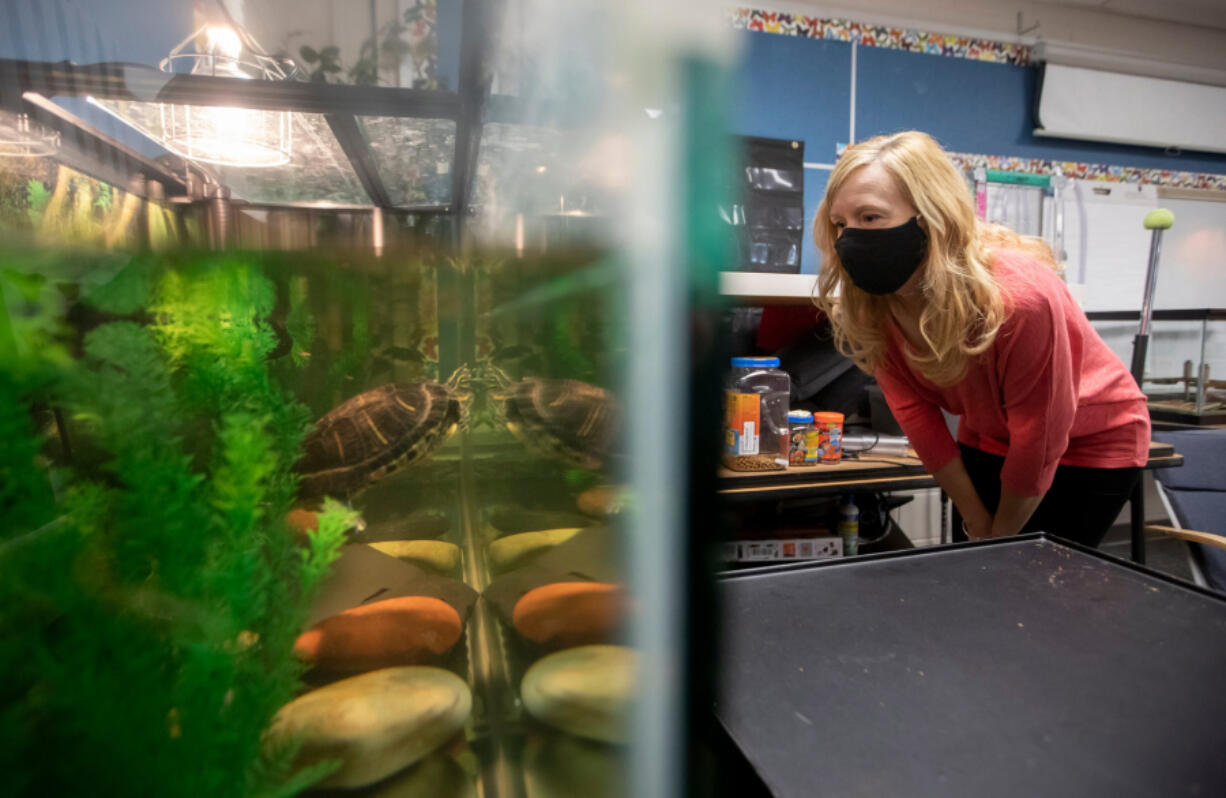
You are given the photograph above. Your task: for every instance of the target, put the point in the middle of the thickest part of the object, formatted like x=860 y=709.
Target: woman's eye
x=839 y=226
x=869 y=218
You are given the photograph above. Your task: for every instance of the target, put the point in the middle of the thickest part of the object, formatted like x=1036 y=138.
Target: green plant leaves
x=152 y=590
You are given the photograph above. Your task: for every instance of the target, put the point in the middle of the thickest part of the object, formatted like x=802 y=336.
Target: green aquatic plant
x=37 y=198
x=149 y=596
x=299 y=322
x=105 y=197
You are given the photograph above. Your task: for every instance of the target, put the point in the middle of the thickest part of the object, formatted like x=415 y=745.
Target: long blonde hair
x=964 y=308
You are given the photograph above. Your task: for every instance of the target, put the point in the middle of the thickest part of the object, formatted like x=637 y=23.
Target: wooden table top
x=879 y=472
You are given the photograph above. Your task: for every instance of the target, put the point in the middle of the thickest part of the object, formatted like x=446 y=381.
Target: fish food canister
x=830 y=436
x=756 y=405
x=800 y=425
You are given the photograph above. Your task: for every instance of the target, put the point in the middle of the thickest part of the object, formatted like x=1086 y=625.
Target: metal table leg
x=1137 y=504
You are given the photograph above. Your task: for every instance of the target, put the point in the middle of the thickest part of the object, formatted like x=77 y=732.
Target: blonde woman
x=950 y=313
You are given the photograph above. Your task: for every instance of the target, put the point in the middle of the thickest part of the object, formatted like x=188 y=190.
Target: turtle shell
x=372 y=434
x=567 y=419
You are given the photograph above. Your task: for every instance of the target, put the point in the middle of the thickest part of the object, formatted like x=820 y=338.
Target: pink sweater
x=1048 y=392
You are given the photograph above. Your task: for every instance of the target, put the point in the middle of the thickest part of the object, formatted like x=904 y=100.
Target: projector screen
x=1093 y=105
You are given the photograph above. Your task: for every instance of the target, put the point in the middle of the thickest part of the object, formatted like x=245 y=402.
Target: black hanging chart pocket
x=772 y=217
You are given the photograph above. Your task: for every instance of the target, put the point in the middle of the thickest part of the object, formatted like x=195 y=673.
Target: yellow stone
x=436 y=555
x=585 y=691
x=376 y=724
x=513 y=551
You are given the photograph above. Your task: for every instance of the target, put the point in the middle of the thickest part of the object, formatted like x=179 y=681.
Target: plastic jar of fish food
x=830 y=436
x=800 y=426
x=756 y=400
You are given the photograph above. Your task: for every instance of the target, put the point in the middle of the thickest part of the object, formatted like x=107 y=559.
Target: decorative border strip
x=915 y=41
x=1092 y=171
x=842 y=30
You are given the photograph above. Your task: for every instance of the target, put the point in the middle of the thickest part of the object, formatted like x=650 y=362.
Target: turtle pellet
x=746 y=462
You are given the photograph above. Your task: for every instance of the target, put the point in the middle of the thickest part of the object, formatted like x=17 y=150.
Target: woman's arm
x=1039 y=370
x=1012 y=513
x=956 y=483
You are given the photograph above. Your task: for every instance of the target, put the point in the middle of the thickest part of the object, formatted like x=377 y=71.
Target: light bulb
x=224 y=41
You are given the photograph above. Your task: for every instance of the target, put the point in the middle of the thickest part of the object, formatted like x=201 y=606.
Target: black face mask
x=881 y=260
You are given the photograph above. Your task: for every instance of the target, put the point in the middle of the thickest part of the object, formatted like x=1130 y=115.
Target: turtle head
x=490 y=383
x=459 y=385
x=461 y=380
x=494 y=378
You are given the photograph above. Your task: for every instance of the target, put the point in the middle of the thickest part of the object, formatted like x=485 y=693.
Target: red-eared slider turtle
x=571 y=420
x=374 y=433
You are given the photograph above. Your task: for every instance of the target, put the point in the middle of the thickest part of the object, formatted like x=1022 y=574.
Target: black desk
x=884 y=474
x=1013 y=667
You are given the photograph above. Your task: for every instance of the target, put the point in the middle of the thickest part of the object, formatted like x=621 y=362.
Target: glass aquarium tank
x=354 y=360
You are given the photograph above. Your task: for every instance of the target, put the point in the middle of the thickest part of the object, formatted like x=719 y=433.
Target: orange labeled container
x=743 y=427
x=830 y=436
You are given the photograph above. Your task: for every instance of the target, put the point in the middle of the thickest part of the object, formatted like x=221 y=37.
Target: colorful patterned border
x=842 y=30
x=1092 y=171
x=962 y=47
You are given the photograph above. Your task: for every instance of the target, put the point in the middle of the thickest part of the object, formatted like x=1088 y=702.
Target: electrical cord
x=869 y=448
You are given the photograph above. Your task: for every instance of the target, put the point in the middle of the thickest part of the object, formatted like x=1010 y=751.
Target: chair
x=1195 y=496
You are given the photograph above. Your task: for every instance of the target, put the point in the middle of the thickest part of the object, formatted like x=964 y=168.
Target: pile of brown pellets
x=753 y=462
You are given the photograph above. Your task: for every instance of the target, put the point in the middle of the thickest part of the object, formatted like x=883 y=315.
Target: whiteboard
x=1192 y=269
x=1107 y=249
x=1105 y=242
x=1017 y=207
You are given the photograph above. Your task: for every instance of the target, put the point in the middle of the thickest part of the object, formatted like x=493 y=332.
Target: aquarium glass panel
x=317 y=170
x=57 y=204
x=414 y=157
x=305 y=496
x=411 y=44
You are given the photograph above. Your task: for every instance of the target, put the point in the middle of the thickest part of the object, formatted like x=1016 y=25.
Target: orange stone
x=601 y=500
x=408 y=630
x=567 y=614
x=302 y=521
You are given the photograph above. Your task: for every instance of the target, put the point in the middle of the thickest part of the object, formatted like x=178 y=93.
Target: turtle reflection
x=570 y=420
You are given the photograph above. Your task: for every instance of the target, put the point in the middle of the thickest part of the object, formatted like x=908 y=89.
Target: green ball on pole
x=1159 y=219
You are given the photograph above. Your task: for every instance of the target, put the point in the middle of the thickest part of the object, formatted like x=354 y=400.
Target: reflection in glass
x=414 y=157
x=317 y=170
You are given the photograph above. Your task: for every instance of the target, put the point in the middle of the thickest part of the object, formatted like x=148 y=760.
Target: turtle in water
x=571 y=420
x=374 y=433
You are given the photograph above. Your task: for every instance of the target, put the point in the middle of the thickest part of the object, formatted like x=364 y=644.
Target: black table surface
x=1015 y=667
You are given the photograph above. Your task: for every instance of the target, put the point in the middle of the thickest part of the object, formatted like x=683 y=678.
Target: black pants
x=1081 y=504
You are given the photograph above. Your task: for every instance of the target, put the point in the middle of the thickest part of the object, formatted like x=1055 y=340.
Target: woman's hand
x=978 y=528
x=977 y=522
x=1012 y=513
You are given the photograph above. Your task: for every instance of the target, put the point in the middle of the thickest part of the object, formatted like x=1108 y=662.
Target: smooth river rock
x=559 y=765
x=566 y=614
x=408 y=630
x=601 y=501
x=585 y=691
x=376 y=724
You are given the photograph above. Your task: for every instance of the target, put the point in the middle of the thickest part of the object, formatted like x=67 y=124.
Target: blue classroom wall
x=983 y=108
x=792 y=87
